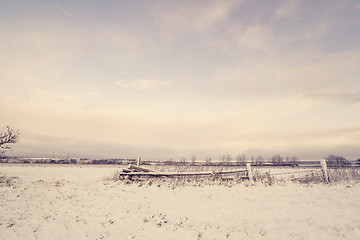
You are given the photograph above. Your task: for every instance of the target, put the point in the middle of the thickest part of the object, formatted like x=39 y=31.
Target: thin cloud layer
x=192 y=16
x=63 y=10
x=143 y=84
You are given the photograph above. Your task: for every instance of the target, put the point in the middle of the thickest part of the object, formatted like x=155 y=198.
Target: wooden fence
x=137 y=171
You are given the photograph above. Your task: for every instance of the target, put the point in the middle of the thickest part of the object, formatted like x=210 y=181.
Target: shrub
x=336 y=161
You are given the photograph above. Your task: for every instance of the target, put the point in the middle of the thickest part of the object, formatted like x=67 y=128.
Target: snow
x=73 y=202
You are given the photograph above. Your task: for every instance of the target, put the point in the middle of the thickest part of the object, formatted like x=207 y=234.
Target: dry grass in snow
x=63 y=202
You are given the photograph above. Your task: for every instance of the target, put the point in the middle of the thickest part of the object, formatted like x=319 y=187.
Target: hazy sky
x=166 y=79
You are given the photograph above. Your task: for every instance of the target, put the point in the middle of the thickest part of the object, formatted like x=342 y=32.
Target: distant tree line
x=259 y=160
x=224 y=160
x=239 y=160
x=68 y=161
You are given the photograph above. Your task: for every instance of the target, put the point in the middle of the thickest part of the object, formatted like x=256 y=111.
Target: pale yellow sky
x=166 y=80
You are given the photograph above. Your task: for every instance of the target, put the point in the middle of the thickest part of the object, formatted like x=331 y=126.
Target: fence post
x=325 y=170
x=248 y=167
x=138 y=161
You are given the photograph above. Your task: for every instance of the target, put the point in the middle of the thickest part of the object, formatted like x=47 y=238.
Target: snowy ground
x=73 y=202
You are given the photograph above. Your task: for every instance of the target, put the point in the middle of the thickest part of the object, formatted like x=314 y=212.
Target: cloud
x=336 y=94
x=119 y=38
x=94 y=93
x=192 y=15
x=305 y=74
x=286 y=9
x=63 y=10
x=314 y=31
x=143 y=84
x=255 y=37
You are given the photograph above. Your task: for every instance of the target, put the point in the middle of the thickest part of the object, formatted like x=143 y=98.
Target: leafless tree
x=241 y=158
x=182 y=161
x=277 y=159
x=336 y=161
x=294 y=160
x=259 y=159
x=193 y=160
x=208 y=161
x=7 y=137
x=225 y=159
x=228 y=159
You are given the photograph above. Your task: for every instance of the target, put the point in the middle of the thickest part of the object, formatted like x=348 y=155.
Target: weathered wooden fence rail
x=150 y=173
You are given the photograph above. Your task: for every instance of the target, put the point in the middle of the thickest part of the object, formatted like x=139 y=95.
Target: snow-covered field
x=76 y=202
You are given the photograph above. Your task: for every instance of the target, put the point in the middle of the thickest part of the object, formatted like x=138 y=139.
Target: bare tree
x=259 y=159
x=182 y=161
x=222 y=160
x=277 y=159
x=225 y=159
x=228 y=159
x=7 y=137
x=169 y=161
x=241 y=158
x=207 y=161
x=244 y=157
x=294 y=160
x=193 y=160
x=336 y=161
x=238 y=159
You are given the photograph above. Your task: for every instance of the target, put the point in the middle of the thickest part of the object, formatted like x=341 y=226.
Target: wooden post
x=248 y=167
x=324 y=169
x=139 y=161
x=139 y=168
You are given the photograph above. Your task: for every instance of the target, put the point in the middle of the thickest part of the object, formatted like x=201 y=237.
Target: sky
x=171 y=79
